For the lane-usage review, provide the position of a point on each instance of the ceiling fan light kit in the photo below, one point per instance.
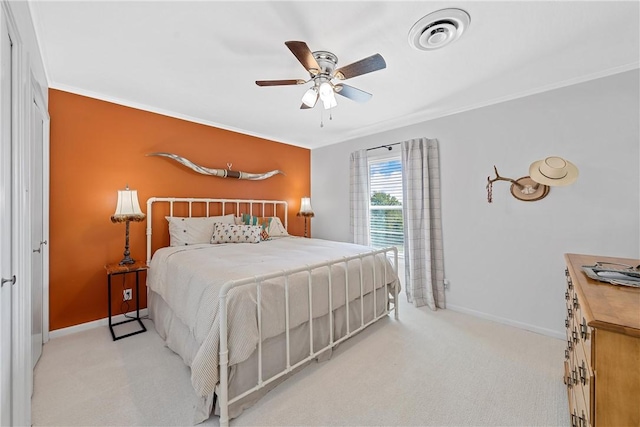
(321, 66)
(439, 29)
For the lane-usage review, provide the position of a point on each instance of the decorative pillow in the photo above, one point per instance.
(231, 233)
(195, 230)
(262, 221)
(238, 220)
(276, 228)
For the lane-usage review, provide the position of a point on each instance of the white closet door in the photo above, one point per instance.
(6, 272)
(37, 233)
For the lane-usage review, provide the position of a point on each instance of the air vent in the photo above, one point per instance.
(438, 29)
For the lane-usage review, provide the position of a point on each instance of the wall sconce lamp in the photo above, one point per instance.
(127, 209)
(543, 174)
(306, 211)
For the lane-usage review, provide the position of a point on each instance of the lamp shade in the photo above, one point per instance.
(128, 208)
(305, 206)
(310, 97)
(327, 95)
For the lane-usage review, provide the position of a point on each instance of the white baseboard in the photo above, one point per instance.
(143, 312)
(543, 331)
(95, 324)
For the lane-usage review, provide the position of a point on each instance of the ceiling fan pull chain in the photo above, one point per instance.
(321, 118)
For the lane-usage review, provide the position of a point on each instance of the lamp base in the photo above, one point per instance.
(127, 260)
(127, 255)
(305, 215)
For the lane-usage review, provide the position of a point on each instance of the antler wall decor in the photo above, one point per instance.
(222, 173)
(552, 171)
(525, 188)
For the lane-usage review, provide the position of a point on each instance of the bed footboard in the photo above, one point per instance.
(390, 304)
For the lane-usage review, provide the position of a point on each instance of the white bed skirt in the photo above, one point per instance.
(243, 376)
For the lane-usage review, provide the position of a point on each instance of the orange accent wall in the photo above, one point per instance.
(96, 148)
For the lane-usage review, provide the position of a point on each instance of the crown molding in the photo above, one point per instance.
(421, 117)
(385, 126)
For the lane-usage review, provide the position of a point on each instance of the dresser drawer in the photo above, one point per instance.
(580, 417)
(581, 328)
(584, 352)
(584, 386)
(583, 399)
(585, 370)
(569, 349)
(573, 408)
(569, 280)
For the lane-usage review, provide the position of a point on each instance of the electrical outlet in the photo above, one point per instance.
(126, 295)
(447, 284)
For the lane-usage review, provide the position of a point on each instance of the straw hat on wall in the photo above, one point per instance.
(553, 171)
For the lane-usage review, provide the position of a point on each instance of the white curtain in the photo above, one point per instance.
(359, 197)
(424, 263)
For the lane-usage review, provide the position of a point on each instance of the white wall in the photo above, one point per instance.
(505, 259)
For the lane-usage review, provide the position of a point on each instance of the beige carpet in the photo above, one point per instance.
(429, 368)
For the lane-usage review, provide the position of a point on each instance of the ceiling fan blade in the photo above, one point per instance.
(352, 93)
(304, 55)
(364, 66)
(280, 82)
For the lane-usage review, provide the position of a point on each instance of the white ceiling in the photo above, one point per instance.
(199, 60)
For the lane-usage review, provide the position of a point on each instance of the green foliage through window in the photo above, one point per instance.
(385, 215)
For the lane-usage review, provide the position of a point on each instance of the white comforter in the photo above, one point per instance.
(189, 279)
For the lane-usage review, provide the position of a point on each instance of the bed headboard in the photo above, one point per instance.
(199, 207)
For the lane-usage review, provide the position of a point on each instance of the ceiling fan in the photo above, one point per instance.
(321, 66)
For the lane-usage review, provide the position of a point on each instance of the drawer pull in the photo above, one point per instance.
(583, 373)
(570, 312)
(569, 282)
(568, 382)
(566, 322)
(566, 354)
(582, 420)
(574, 419)
(574, 336)
(569, 345)
(584, 331)
(574, 376)
(576, 305)
(567, 296)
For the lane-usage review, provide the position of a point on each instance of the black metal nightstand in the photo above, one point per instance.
(114, 269)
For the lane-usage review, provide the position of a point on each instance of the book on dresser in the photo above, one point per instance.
(602, 358)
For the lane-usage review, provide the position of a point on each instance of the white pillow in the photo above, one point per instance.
(193, 231)
(231, 233)
(276, 228)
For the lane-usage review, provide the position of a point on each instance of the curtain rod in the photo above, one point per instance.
(387, 146)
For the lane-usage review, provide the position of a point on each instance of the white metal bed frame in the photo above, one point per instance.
(222, 390)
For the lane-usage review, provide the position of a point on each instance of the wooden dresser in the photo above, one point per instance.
(602, 359)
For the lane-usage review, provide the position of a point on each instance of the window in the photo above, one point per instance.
(385, 215)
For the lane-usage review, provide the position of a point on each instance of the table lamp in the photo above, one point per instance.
(127, 209)
(306, 211)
